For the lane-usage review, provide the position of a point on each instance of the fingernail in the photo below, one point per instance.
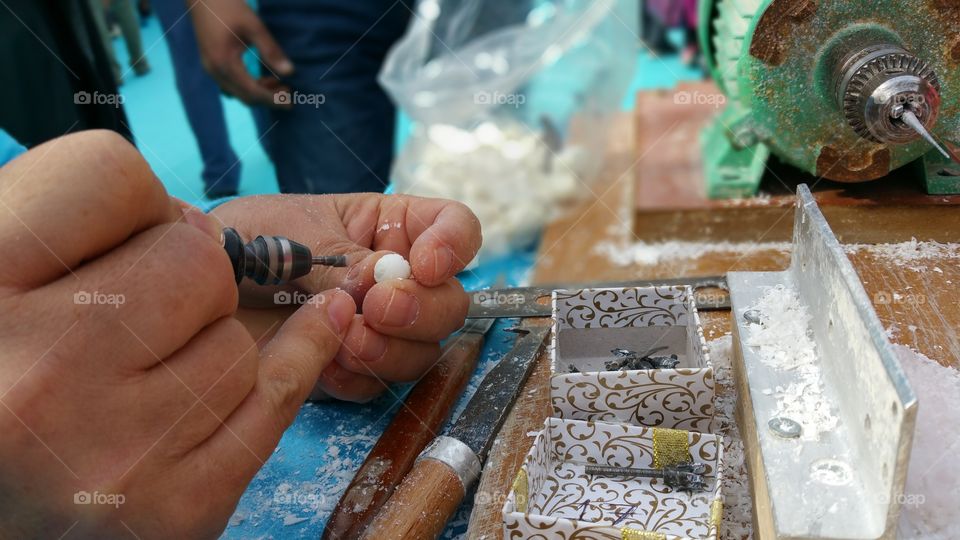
(340, 310)
(373, 345)
(401, 310)
(443, 261)
(285, 67)
(354, 273)
(202, 221)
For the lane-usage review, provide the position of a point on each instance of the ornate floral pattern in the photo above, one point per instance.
(621, 308)
(565, 503)
(679, 398)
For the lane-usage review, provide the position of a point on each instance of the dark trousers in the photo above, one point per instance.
(339, 136)
(200, 96)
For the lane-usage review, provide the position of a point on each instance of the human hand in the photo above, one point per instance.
(132, 402)
(396, 338)
(225, 28)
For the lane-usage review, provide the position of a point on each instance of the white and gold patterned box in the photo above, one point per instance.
(554, 498)
(589, 324)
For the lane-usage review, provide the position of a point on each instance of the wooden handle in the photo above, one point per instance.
(427, 407)
(420, 508)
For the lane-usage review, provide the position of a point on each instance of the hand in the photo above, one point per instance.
(132, 402)
(396, 338)
(224, 29)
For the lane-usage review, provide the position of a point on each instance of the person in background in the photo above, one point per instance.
(200, 96)
(324, 120)
(144, 8)
(653, 31)
(59, 78)
(667, 14)
(125, 15)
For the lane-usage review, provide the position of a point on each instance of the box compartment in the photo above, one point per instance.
(589, 323)
(553, 497)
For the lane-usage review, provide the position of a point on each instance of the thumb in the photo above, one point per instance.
(290, 365)
(270, 52)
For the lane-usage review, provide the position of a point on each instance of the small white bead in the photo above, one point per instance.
(392, 266)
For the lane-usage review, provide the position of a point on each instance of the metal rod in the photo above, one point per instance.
(605, 470)
(330, 260)
(911, 120)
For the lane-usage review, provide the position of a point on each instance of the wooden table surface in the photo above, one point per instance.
(925, 316)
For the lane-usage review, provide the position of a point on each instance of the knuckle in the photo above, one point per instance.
(288, 387)
(114, 160)
(238, 359)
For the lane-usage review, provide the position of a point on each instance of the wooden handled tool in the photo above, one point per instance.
(426, 409)
(446, 469)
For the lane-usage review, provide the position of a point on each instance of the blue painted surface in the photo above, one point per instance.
(294, 493)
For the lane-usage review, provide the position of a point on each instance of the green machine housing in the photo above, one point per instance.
(824, 84)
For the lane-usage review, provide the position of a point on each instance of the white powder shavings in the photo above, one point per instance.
(784, 343)
(737, 501)
(392, 266)
(931, 499)
(291, 519)
(911, 255)
(649, 254)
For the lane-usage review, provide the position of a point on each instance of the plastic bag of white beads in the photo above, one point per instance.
(510, 105)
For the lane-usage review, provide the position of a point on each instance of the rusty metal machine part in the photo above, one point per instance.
(876, 84)
(824, 85)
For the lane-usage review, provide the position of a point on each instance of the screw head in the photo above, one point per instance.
(787, 428)
(753, 316)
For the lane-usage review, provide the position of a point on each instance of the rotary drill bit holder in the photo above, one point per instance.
(848, 90)
(272, 260)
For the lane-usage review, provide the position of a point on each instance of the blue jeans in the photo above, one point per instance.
(339, 137)
(201, 98)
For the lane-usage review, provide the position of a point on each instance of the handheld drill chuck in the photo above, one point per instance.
(272, 260)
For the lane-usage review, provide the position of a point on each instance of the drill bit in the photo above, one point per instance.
(338, 261)
(682, 477)
(911, 120)
(272, 260)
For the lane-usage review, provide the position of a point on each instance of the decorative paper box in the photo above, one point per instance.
(553, 497)
(588, 324)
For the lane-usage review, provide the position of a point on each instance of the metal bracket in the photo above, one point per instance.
(734, 160)
(846, 481)
(942, 176)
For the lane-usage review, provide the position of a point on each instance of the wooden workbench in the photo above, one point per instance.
(621, 209)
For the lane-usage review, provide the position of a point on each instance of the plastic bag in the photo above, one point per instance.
(510, 103)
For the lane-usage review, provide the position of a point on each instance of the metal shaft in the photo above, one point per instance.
(605, 470)
(330, 260)
(911, 120)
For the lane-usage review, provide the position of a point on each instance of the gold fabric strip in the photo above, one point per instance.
(635, 534)
(716, 513)
(520, 490)
(670, 447)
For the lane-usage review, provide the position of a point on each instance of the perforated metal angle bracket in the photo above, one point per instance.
(846, 482)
